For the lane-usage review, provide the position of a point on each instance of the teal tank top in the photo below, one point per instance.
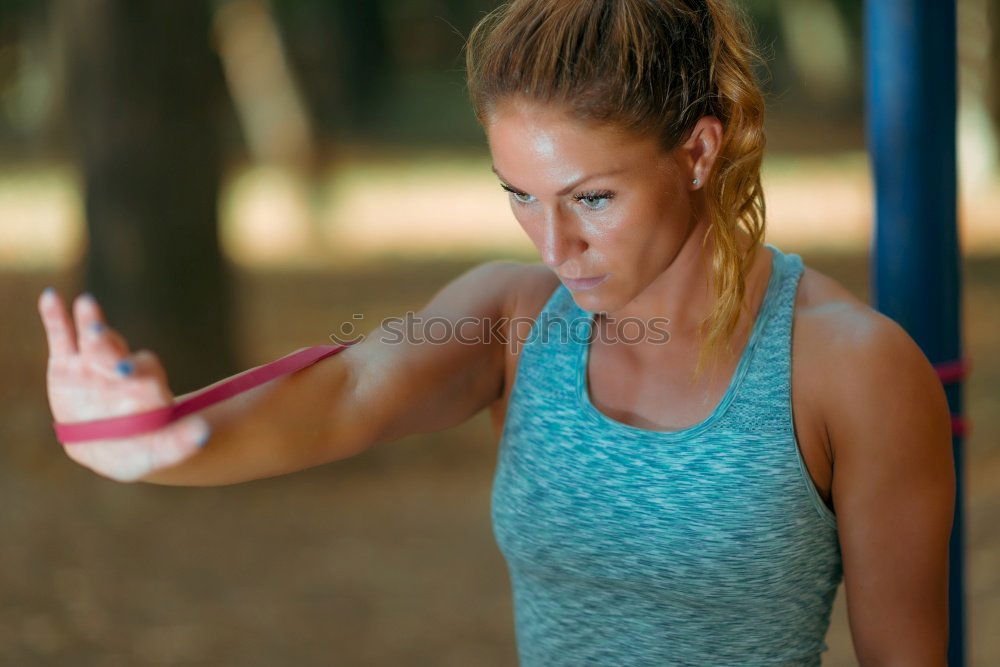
(626, 546)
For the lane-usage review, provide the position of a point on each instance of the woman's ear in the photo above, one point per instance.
(701, 148)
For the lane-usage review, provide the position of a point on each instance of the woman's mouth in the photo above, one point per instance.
(579, 284)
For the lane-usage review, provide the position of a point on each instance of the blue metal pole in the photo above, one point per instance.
(914, 261)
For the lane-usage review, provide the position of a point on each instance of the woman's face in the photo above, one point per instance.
(597, 203)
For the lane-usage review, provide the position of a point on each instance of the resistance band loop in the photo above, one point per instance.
(151, 420)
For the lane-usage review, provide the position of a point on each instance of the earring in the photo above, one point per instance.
(695, 181)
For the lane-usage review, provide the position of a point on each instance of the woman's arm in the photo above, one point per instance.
(397, 381)
(376, 390)
(272, 429)
(893, 488)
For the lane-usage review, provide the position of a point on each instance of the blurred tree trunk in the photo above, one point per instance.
(341, 50)
(144, 91)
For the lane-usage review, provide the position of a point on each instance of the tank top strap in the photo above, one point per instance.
(763, 399)
(548, 354)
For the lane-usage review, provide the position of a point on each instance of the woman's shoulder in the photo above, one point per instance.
(862, 364)
(846, 336)
(533, 284)
(834, 316)
(520, 283)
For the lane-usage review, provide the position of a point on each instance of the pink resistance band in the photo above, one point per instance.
(143, 422)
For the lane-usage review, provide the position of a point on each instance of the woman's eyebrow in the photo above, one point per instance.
(569, 187)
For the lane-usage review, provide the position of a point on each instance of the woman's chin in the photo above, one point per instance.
(595, 301)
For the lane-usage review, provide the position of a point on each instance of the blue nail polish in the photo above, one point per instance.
(203, 440)
(97, 327)
(49, 291)
(125, 367)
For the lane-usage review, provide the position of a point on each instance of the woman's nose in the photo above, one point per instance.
(558, 239)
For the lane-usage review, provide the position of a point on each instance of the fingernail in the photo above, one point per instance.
(97, 327)
(49, 291)
(125, 367)
(203, 439)
(88, 296)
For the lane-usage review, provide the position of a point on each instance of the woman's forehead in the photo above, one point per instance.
(563, 146)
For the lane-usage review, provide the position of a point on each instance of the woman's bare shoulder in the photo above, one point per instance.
(856, 357)
(832, 325)
(533, 285)
(827, 313)
(818, 290)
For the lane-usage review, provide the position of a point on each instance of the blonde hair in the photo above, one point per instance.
(653, 67)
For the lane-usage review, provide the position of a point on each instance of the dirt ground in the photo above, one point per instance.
(384, 559)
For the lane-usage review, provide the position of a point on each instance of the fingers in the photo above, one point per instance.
(94, 337)
(58, 327)
(145, 365)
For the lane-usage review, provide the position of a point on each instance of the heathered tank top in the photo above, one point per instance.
(626, 546)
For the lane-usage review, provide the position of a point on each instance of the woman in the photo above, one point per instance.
(652, 509)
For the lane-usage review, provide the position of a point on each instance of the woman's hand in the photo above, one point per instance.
(92, 375)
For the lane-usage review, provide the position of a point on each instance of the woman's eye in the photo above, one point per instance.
(519, 197)
(595, 201)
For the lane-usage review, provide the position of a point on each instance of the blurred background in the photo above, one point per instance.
(238, 178)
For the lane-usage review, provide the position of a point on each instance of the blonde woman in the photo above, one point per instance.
(699, 437)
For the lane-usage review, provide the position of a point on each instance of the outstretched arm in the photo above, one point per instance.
(376, 390)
